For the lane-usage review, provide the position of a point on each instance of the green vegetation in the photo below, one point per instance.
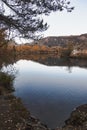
(6, 82)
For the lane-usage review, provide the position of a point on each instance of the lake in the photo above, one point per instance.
(51, 90)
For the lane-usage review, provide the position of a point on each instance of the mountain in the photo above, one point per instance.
(78, 41)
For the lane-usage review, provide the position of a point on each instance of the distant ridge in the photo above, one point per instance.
(77, 40)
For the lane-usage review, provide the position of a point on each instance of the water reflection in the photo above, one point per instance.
(50, 92)
(54, 60)
(49, 87)
(49, 60)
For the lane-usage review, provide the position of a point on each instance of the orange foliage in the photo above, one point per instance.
(34, 49)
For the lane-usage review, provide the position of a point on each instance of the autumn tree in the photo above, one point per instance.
(22, 17)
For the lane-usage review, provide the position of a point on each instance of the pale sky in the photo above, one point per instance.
(63, 23)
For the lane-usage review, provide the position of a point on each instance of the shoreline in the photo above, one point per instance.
(14, 116)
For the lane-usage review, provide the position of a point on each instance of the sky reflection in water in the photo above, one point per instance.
(50, 93)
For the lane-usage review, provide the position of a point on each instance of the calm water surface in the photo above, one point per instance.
(50, 92)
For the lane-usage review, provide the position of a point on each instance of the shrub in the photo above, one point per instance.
(6, 81)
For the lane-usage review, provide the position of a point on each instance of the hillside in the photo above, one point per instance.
(80, 41)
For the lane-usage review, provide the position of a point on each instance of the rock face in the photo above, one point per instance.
(35, 124)
(78, 41)
(78, 117)
(77, 120)
(14, 116)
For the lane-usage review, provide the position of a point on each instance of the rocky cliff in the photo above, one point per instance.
(80, 41)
